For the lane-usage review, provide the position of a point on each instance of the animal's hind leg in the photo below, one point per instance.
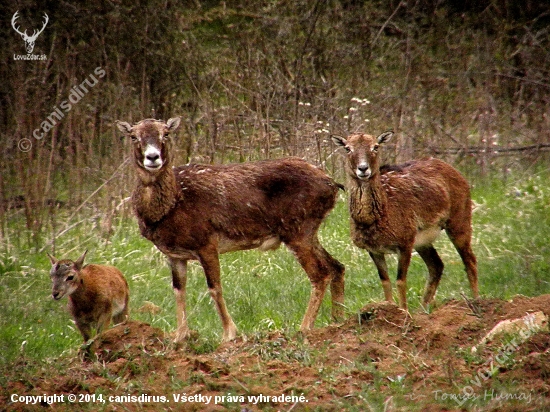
(337, 286)
(435, 269)
(313, 259)
(316, 298)
(104, 321)
(461, 236)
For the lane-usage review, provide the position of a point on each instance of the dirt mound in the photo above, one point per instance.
(382, 356)
(128, 340)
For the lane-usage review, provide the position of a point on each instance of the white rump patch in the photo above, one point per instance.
(118, 306)
(426, 237)
(271, 243)
(230, 245)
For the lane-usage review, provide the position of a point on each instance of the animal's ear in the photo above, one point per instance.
(52, 259)
(173, 123)
(339, 140)
(385, 137)
(80, 261)
(124, 127)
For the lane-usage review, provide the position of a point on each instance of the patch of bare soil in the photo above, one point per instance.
(382, 357)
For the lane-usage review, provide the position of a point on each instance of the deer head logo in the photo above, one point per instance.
(29, 40)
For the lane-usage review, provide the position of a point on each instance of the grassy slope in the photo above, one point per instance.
(267, 291)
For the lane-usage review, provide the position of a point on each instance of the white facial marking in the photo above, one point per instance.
(151, 158)
(363, 170)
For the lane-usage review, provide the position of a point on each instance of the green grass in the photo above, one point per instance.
(269, 291)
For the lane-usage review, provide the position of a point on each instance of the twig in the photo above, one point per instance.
(67, 229)
(386, 23)
(473, 307)
(68, 226)
(242, 386)
(100, 187)
(346, 359)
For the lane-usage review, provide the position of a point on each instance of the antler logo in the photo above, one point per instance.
(29, 40)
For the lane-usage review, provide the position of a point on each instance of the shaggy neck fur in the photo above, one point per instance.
(367, 201)
(81, 297)
(155, 194)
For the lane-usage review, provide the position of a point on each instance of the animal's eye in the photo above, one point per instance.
(166, 135)
(69, 278)
(134, 138)
(348, 149)
(375, 148)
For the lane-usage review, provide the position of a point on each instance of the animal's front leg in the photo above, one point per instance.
(85, 329)
(210, 262)
(179, 280)
(380, 261)
(104, 320)
(403, 263)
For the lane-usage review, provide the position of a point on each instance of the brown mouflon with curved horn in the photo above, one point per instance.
(398, 209)
(196, 212)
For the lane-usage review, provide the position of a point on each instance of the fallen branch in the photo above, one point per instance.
(496, 150)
